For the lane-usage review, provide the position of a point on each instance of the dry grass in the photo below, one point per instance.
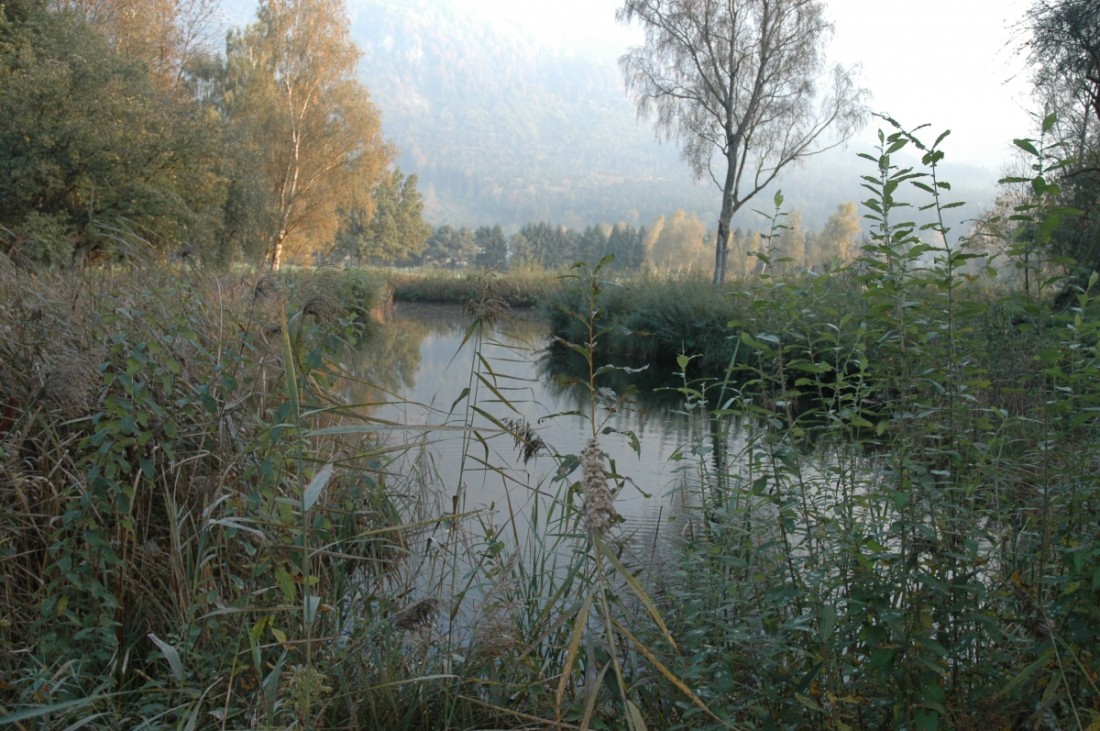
(150, 465)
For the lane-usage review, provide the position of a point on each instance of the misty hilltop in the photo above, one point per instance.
(504, 128)
(500, 129)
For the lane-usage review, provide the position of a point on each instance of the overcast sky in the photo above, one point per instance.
(951, 63)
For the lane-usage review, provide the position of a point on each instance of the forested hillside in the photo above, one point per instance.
(500, 129)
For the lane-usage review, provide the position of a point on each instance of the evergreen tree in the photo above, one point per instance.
(451, 247)
(394, 232)
(493, 247)
(627, 244)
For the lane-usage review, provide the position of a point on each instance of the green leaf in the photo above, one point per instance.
(316, 487)
(171, 655)
(1026, 673)
(828, 621)
(285, 583)
(461, 396)
(1026, 146)
(310, 604)
(634, 716)
(639, 592)
(579, 624)
(37, 711)
(271, 680)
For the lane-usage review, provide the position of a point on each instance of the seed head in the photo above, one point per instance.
(416, 616)
(599, 502)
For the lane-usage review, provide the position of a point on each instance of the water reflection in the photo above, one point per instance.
(427, 376)
(448, 419)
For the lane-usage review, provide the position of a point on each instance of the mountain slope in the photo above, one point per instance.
(502, 130)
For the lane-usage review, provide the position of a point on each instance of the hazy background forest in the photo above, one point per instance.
(473, 143)
(507, 128)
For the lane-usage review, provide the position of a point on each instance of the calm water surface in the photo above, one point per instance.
(422, 369)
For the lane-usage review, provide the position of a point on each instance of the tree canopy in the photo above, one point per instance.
(92, 152)
(124, 128)
(395, 232)
(315, 133)
(736, 81)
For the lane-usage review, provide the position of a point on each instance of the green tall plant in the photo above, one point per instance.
(609, 582)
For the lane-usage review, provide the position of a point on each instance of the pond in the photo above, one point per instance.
(447, 391)
(447, 399)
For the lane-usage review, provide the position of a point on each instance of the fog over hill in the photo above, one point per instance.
(502, 129)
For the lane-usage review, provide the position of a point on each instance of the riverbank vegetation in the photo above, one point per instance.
(913, 562)
(888, 515)
(890, 518)
(520, 288)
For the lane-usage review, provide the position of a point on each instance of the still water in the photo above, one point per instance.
(446, 391)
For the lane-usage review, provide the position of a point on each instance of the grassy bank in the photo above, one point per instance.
(518, 288)
(180, 545)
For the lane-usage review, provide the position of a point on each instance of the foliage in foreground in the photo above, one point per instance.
(890, 519)
(179, 545)
(897, 506)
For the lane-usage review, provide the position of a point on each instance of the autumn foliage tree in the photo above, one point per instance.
(836, 243)
(736, 82)
(165, 35)
(677, 243)
(315, 135)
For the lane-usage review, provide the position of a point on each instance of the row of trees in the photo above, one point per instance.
(124, 125)
(675, 243)
(743, 87)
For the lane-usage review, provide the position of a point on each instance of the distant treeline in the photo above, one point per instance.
(680, 242)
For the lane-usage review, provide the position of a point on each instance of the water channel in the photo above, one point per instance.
(445, 397)
(446, 391)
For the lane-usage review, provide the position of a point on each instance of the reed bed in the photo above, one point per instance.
(890, 520)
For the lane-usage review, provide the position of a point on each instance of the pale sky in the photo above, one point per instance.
(950, 63)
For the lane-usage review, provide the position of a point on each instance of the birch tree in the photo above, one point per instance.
(737, 82)
(316, 134)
